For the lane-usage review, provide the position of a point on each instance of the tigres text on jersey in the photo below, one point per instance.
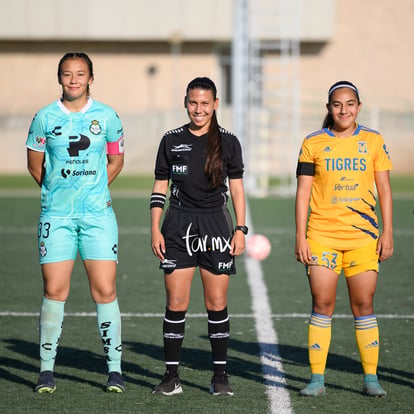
(343, 196)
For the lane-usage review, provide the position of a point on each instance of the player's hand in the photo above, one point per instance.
(238, 243)
(385, 247)
(158, 244)
(303, 252)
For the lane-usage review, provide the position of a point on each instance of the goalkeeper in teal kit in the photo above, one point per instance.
(75, 149)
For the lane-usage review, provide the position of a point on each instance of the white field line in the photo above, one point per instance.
(139, 194)
(276, 387)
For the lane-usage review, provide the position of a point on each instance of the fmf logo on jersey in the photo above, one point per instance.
(179, 169)
(195, 243)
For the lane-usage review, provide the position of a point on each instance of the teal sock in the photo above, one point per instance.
(109, 324)
(50, 329)
(318, 378)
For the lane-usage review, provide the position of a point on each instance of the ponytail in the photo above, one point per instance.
(214, 162)
(328, 122)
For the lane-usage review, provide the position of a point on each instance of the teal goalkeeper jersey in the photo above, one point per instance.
(75, 145)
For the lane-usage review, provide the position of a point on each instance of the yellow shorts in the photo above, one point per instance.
(351, 262)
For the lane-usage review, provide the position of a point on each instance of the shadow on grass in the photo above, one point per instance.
(248, 368)
(67, 357)
(297, 356)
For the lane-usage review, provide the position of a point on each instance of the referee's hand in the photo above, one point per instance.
(158, 245)
(238, 243)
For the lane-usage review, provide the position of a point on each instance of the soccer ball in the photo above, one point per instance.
(258, 247)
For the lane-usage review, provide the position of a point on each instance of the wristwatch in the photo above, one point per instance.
(243, 229)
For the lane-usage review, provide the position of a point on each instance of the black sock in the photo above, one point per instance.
(173, 333)
(219, 332)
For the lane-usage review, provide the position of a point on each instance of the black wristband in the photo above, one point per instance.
(243, 229)
(157, 200)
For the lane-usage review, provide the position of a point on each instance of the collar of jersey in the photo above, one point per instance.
(356, 132)
(83, 110)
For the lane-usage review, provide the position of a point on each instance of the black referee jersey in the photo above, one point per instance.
(181, 158)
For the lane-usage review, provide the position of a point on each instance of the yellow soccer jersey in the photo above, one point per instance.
(343, 199)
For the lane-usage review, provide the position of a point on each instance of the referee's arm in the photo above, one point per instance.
(157, 240)
(239, 205)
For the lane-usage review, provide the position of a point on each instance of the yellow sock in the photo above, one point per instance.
(319, 339)
(367, 338)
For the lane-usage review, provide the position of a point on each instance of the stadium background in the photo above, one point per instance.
(144, 54)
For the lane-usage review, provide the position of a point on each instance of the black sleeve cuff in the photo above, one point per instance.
(305, 168)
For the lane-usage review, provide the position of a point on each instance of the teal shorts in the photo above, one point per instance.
(95, 238)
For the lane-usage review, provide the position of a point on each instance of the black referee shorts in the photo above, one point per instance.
(198, 238)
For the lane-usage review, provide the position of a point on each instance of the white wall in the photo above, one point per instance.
(154, 20)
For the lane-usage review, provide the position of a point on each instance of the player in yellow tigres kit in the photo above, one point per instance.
(337, 169)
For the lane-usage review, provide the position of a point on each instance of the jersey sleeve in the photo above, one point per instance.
(306, 164)
(115, 135)
(382, 159)
(305, 153)
(235, 165)
(36, 138)
(162, 166)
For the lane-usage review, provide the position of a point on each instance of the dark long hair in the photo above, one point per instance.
(214, 163)
(75, 55)
(328, 121)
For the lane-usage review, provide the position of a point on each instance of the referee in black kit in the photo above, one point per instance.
(203, 162)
